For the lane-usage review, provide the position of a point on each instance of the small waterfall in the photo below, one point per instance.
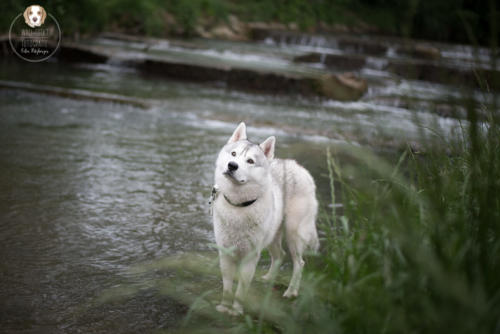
(269, 41)
(306, 40)
(322, 42)
(376, 63)
(391, 52)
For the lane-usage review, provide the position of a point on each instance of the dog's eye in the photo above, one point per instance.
(250, 161)
(38, 13)
(233, 153)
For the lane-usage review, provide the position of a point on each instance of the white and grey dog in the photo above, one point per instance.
(253, 194)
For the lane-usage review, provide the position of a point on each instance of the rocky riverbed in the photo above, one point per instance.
(353, 75)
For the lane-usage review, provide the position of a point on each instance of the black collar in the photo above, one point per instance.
(244, 204)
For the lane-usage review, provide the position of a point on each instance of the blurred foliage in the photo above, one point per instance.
(147, 17)
(445, 20)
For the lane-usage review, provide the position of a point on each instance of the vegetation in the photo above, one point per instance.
(417, 252)
(449, 20)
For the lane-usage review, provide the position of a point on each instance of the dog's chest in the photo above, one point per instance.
(242, 228)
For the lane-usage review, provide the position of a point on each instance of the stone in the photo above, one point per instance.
(223, 32)
(293, 26)
(74, 52)
(339, 62)
(200, 31)
(427, 52)
(236, 25)
(343, 87)
(364, 46)
(416, 69)
(421, 51)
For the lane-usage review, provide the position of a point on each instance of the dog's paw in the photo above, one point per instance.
(223, 309)
(289, 293)
(228, 310)
(267, 277)
(237, 308)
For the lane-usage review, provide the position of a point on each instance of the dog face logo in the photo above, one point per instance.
(34, 16)
(38, 42)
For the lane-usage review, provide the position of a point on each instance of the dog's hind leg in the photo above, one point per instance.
(228, 269)
(276, 256)
(300, 229)
(296, 246)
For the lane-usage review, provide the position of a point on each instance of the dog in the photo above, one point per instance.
(253, 193)
(34, 16)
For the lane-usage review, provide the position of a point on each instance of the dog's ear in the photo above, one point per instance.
(25, 14)
(44, 15)
(239, 134)
(267, 147)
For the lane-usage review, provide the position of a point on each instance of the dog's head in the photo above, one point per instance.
(241, 163)
(34, 16)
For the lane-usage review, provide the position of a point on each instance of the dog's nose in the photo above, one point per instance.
(34, 19)
(232, 166)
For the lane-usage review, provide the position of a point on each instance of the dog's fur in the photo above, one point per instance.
(281, 189)
(34, 16)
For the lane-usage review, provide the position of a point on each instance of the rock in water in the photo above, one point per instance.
(343, 87)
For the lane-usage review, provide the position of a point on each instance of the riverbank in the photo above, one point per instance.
(439, 20)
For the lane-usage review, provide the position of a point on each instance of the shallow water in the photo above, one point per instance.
(377, 119)
(89, 189)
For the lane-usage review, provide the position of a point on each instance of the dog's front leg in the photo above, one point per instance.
(228, 269)
(276, 256)
(246, 273)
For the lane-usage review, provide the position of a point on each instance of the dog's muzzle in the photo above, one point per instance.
(232, 166)
(230, 175)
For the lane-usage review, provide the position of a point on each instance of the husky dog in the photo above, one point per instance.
(253, 194)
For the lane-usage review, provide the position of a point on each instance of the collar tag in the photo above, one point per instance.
(213, 197)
